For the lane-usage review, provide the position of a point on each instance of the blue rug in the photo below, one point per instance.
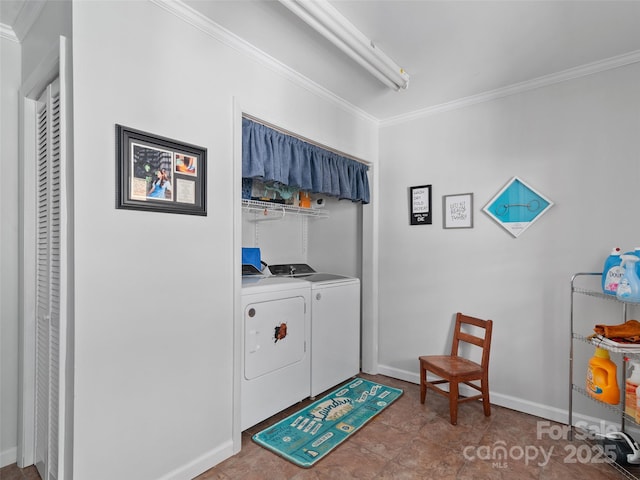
(308, 435)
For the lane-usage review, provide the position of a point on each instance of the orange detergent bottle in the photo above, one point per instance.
(602, 381)
(305, 200)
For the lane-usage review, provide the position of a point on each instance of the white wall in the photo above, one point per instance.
(335, 243)
(576, 142)
(10, 81)
(332, 244)
(154, 311)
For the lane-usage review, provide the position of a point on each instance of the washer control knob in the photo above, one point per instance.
(318, 296)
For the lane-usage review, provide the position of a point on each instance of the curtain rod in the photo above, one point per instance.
(304, 139)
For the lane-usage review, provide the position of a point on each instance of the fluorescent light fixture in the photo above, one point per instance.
(330, 23)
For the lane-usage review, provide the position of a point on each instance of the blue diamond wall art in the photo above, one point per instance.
(517, 206)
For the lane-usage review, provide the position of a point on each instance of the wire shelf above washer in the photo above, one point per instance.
(277, 211)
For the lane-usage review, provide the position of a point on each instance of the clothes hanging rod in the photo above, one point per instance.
(304, 139)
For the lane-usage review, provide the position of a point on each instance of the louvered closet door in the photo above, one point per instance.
(48, 282)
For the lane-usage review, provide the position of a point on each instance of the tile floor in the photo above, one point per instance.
(11, 472)
(410, 441)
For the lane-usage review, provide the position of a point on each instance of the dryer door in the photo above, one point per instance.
(274, 335)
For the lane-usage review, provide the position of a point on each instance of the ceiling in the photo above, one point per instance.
(452, 49)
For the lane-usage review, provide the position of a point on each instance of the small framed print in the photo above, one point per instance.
(517, 206)
(457, 211)
(420, 205)
(159, 174)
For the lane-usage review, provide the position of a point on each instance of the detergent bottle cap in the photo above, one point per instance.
(616, 251)
(601, 353)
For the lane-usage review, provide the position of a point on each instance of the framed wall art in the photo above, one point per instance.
(159, 174)
(457, 211)
(517, 206)
(420, 205)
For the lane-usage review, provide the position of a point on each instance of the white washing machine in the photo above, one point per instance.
(335, 324)
(276, 334)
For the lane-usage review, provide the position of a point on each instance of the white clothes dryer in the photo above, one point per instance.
(275, 346)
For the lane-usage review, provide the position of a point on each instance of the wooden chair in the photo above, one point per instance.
(454, 369)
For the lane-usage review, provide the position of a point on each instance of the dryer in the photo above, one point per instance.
(275, 346)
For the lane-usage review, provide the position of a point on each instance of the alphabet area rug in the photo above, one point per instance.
(311, 433)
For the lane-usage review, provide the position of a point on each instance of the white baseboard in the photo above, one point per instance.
(525, 406)
(399, 374)
(9, 456)
(201, 464)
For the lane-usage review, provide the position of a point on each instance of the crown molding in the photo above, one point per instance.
(544, 81)
(7, 32)
(213, 29)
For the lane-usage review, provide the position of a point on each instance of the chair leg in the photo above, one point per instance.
(453, 402)
(423, 383)
(485, 398)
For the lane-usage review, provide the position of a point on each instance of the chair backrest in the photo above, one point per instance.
(460, 336)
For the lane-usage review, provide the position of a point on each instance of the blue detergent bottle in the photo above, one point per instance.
(629, 286)
(636, 252)
(612, 272)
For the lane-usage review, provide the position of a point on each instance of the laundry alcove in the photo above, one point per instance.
(278, 171)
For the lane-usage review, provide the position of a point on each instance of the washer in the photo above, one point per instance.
(276, 362)
(335, 324)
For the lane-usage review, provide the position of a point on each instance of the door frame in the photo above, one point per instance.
(55, 64)
(369, 281)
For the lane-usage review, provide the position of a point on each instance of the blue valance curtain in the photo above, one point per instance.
(275, 157)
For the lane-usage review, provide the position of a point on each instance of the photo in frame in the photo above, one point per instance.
(457, 211)
(420, 205)
(159, 174)
(517, 206)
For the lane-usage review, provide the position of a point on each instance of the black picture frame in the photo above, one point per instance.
(420, 205)
(158, 174)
